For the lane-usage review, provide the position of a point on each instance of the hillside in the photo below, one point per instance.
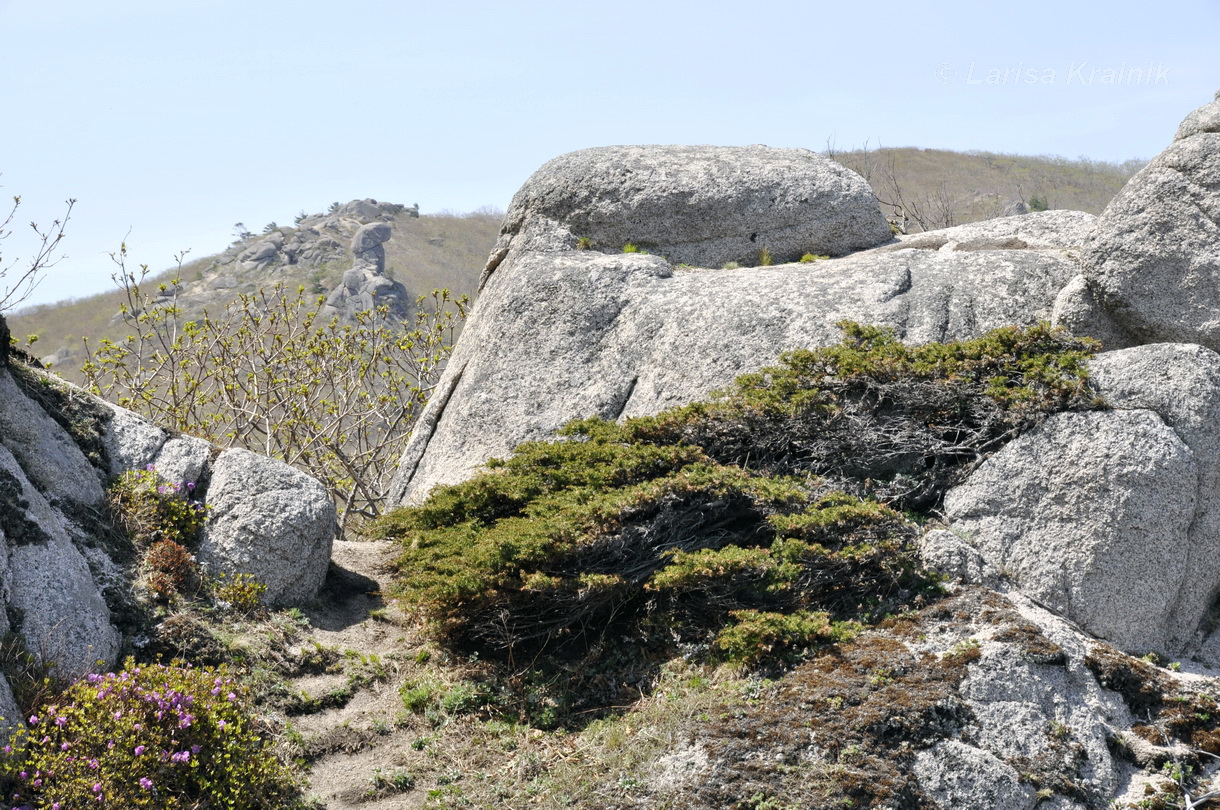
(941, 188)
(423, 253)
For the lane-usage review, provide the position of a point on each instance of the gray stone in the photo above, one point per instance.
(561, 336)
(1041, 230)
(271, 521)
(1154, 260)
(64, 619)
(370, 236)
(260, 252)
(1181, 383)
(131, 441)
(183, 460)
(1076, 309)
(1084, 508)
(956, 775)
(47, 454)
(698, 205)
(10, 712)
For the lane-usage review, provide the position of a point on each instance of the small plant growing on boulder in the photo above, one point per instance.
(764, 258)
(151, 508)
(809, 258)
(585, 243)
(150, 736)
(631, 247)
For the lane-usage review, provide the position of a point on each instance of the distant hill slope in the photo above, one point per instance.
(423, 253)
(939, 188)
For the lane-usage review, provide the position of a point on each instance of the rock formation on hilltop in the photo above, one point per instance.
(1091, 529)
(697, 205)
(365, 286)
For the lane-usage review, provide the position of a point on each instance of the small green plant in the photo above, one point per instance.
(417, 695)
(809, 258)
(385, 784)
(151, 736)
(151, 508)
(730, 266)
(240, 592)
(757, 636)
(585, 243)
(764, 258)
(631, 247)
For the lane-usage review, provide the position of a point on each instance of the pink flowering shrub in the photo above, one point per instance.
(149, 736)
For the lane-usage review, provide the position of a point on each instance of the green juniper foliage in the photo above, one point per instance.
(748, 528)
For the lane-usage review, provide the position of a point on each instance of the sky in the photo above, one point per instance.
(169, 121)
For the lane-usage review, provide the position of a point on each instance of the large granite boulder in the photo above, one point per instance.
(1112, 518)
(1153, 263)
(1089, 513)
(271, 521)
(45, 582)
(558, 336)
(697, 205)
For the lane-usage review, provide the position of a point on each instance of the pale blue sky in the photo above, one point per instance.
(177, 118)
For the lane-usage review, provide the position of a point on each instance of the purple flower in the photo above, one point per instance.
(97, 787)
(145, 783)
(139, 750)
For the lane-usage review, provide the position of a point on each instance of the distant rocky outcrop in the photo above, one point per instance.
(365, 286)
(60, 579)
(357, 229)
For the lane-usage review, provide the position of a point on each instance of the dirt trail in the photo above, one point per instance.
(366, 736)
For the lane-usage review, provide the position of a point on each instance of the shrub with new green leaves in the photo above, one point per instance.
(149, 736)
(272, 374)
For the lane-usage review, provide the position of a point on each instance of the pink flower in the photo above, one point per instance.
(145, 783)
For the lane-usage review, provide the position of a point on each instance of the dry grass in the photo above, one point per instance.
(971, 186)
